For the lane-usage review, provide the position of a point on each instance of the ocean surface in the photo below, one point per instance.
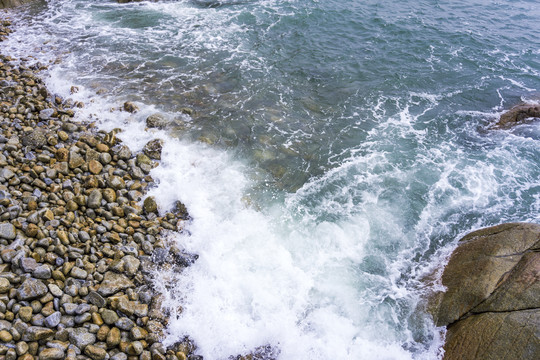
(331, 153)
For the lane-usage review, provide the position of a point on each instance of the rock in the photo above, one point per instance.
(517, 115)
(53, 320)
(81, 337)
(51, 354)
(504, 336)
(7, 4)
(479, 263)
(492, 305)
(130, 107)
(95, 167)
(157, 121)
(5, 285)
(31, 289)
(75, 159)
(94, 199)
(96, 299)
(7, 231)
(109, 317)
(113, 282)
(150, 205)
(153, 149)
(131, 264)
(25, 313)
(36, 138)
(5, 336)
(37, 333)
(42, 272)
(95, 352)
(113, 337)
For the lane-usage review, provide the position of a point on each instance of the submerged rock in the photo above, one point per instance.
(492, 304)
(517, 115)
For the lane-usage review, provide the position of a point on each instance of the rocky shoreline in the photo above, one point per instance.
(79, 239)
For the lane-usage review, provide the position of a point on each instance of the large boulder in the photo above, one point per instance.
(517, 115)
(6, 4)
(492, 304)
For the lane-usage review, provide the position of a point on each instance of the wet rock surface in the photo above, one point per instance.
(492, 304)
(77, 232)
(518, 114)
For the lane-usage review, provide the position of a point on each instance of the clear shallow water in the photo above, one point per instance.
(337, 151)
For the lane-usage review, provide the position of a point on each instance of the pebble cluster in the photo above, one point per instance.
(79, 239)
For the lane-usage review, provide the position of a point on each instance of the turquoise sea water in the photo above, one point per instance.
(335, 153)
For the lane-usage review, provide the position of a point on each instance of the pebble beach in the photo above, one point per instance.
(79, 239)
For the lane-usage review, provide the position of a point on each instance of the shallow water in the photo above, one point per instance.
(335, 152)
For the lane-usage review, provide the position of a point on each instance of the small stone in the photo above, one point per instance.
(53, 320)
(51, 354)
(31, 289)
(55, 290)
(42, 272)
(5, 285)
(36, 138)
(130, 107)
(75, 159)
(150, 205)
(21, 348)
(7, 231)
(95, 352)
(95, 167)
(124, 323)
(94, 199)
(96, 299)
(5, 336)
(37, 333)
(78, 273)
(113, 337)
(81, 337)
(109, 316)
(112, 283)
(131, 264)
(157, 121)
(28, 265)
(153, 149)
(25, 313)
(135, 348)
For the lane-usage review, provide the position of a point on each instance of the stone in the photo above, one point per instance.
(78, 273)
(51, 354)
(28, 265)
(75, 159)
(5, 336)
(95, 352)
(42, 272)
(491, 307)
(130, 107)
(95, 167)
(31, 289)
(95, 298)
(81, 337)
(135, 348)
(25, 313)
(124, 323)
(53, 320)
(113, 337)
(5, 285)
(518, 114)
(7, 231)
(501, 336)
(150, 205)
(36, 138)
(94, 199)
(37, 333)
(478, 264)
(109, 317)
(116, 182)
(131, 264)
(153, 149)
(157, 121)
(113, 282)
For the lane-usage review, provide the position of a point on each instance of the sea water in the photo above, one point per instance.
(331, 153)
